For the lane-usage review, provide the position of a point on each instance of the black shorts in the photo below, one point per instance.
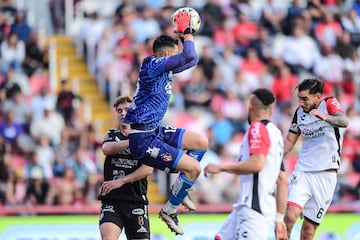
(133, 217)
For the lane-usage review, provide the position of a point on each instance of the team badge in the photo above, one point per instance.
(166, 157)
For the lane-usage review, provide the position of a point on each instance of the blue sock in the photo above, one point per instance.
(197, 154)
(180, 189)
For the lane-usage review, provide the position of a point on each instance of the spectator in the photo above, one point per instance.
(209, 67)
(300, 51)
(272, 16)
(16, 188)
(66, 190)
(253, 69)
(343, 45)
(4, 27)
(65, 103)
(20, 27)
(12, 53)
(45, 156)
(197, 92)
(285, 79)
(330, 69)
(39, 101)
(327, 31)
(34, 55)
(50, 125)
(9, 86)
(22, 114)
(37, 188)
(212, 17)
(244, 32)
(10, 129)
(294, 11)
(263, 45)
(351, 24)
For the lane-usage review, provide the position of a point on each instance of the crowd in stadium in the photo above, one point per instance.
(241, 48)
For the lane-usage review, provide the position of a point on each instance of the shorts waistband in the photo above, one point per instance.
(331, 170)
(141, 127)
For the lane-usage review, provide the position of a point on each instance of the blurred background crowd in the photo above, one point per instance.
(50, 154)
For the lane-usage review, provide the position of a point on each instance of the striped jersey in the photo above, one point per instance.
(257, 189)
(154, 86)
(321, 141)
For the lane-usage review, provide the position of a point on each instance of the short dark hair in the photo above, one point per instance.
(164, 41)
(265, 96)
(121, 100)
(312, 84)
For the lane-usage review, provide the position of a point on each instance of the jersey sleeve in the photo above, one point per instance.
(110, 136)
(294, 128)
(333, 106)
(182, 61)
(258, 137)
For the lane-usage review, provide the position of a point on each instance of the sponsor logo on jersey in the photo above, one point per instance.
(125, 163)
(108, 208)
(138, 211)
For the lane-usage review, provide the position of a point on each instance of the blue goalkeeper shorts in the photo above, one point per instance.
(159, 148)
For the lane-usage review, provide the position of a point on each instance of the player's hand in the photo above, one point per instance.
(319, 114)
(108, 186)
(280, 231)
(183, 19)
(211, 168)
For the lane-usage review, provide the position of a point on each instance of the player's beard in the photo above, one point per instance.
(310, 108)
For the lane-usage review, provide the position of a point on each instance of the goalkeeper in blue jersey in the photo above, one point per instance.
(158, 146)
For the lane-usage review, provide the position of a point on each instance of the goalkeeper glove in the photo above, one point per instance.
(183, 20)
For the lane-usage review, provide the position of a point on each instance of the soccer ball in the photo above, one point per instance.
(195, 18)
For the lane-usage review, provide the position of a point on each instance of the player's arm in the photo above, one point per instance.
(292, 136)
(254, 164)
(138, 174)
(111, 148)
(289, 142)
(336, 116)
(281, 202)
(184, 60)
(259, 144)
(112, 143)
(337, 119)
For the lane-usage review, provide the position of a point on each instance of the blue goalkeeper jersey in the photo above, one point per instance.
(154, 86)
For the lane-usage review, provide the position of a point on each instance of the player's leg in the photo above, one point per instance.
(292, 214)
(228, 229)
(194, 141)
(109, 231)
(308, 229)
(110, 222)
(323, 187)
(299, 194)
(137, 225)
(248, 225)
(190, 170)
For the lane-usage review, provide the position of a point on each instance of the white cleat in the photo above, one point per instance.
(171, 221)
(189, 204)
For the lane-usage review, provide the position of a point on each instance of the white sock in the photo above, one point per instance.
(169, 208)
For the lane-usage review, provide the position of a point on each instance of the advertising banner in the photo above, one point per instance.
(196, 227)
